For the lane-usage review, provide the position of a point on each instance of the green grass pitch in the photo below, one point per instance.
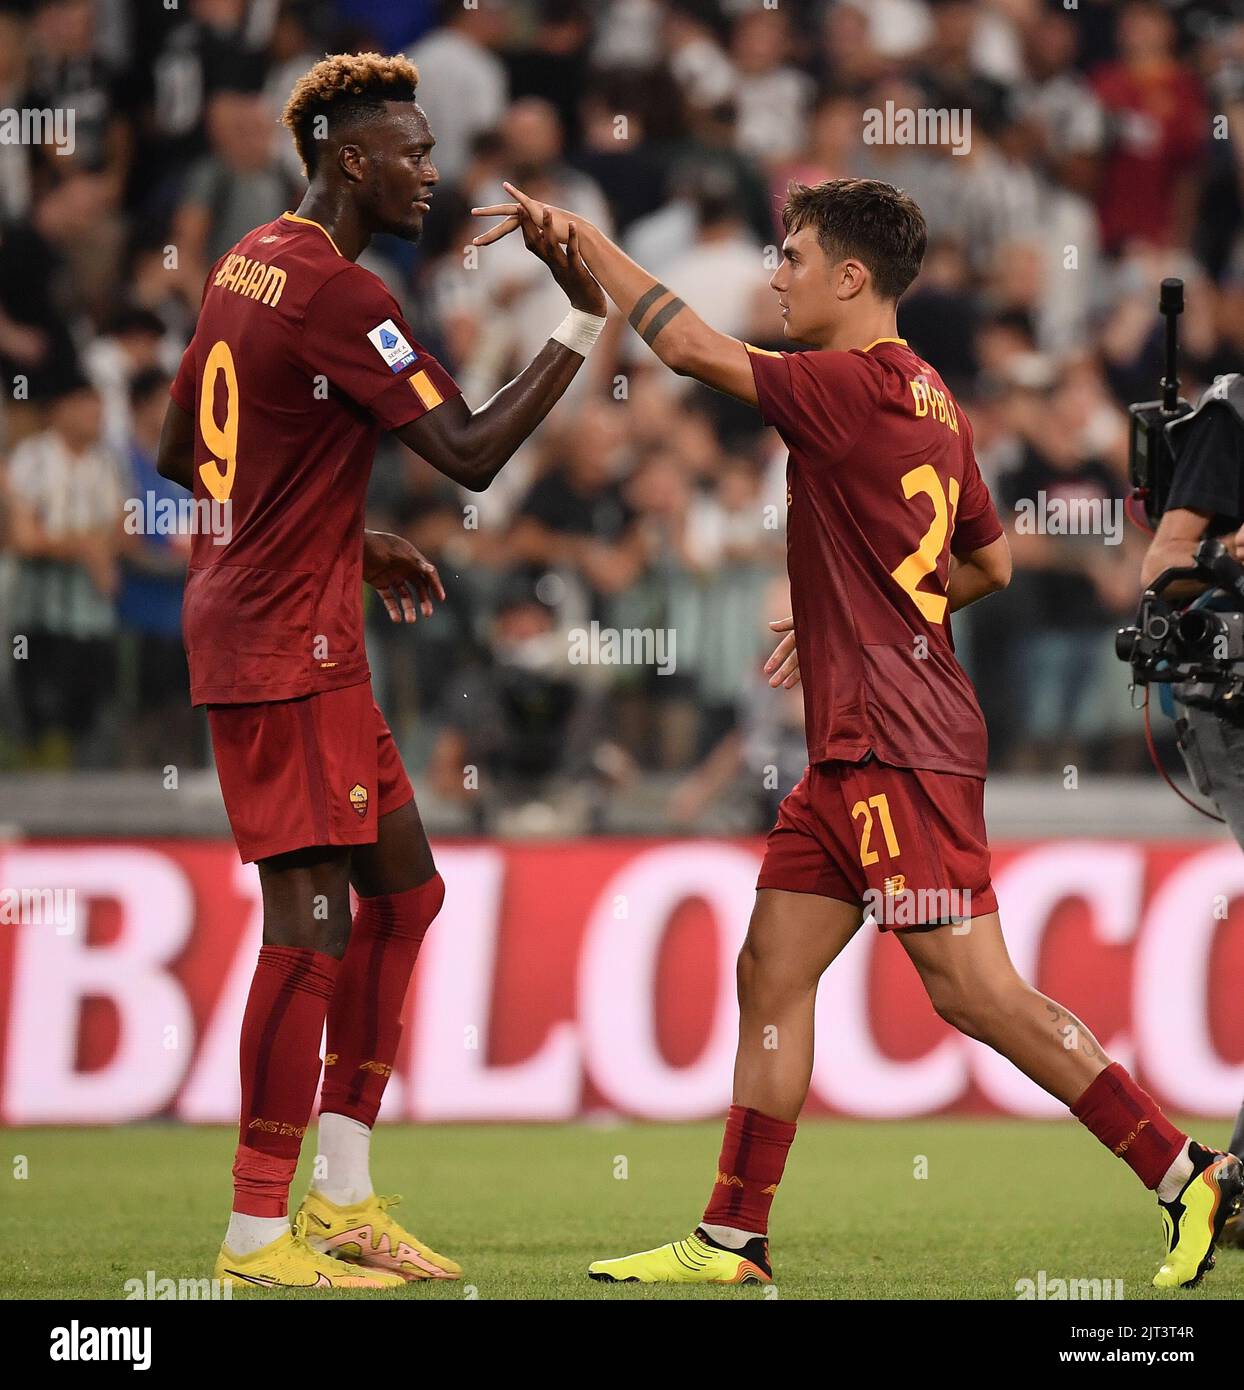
(524, 1208)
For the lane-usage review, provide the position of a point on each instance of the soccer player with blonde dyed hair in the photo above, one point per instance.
(300, 359)
(890, 529)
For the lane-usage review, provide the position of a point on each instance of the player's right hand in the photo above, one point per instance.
(782, 667)
(541, 214)
(546, 229)
(566, 266)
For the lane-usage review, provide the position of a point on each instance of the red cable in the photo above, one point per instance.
(1129, 511)
(1153, 756)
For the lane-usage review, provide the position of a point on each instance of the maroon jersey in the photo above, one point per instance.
(882, 486)
(299, 359)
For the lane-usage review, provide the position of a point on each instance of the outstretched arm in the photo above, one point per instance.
(677, 334)
(472, 446)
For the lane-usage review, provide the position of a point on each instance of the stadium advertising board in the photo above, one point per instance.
(569, 979)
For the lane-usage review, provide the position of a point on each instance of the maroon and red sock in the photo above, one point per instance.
(1128, 1121)
(753, 1155)
(280, 1056)
(364, 1016)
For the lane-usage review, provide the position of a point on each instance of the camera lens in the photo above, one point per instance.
(1194, 629)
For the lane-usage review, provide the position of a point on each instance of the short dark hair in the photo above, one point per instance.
(341, 88)
(135, 319)
(875, 222)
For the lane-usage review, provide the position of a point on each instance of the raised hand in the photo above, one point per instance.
(511, 213)
(545, 230)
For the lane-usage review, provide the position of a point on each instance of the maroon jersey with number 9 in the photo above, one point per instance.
(299, 359)
(882, 487)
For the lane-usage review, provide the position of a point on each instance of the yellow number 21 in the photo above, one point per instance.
(923, 560)
(868, 855)
(221, 441)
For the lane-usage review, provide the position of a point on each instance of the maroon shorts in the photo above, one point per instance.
(316, 771)
(907, 845)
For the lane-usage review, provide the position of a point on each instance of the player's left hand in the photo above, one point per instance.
(399, 573)
(782, 667)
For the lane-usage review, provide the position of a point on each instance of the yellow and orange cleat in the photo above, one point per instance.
(367, 1237)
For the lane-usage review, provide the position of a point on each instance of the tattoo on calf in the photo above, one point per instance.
(1073, 1033)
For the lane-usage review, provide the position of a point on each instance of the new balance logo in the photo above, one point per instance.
(729, 1180)
(380, 1068)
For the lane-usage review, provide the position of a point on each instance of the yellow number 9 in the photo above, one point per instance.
(222, 443)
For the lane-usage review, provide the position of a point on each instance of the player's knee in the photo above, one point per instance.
(763, 976)
(407, 914)
(335, 938)
(329, 937)
(433, 899)
(745, 970)
(977, 1015)
(309, 921)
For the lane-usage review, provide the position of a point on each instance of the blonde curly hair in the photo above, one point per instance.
(344, 82)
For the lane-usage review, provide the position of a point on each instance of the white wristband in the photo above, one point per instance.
(578, 331)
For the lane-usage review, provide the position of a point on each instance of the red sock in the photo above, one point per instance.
(364, 1017)
(1127, 1120)
(753, 1155)
(280, 1053)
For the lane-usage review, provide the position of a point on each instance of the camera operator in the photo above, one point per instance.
(1206, 499)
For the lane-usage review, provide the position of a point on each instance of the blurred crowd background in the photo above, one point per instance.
(1106, 151)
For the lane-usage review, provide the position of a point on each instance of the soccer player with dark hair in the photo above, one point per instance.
(890, 529)
(299, 359)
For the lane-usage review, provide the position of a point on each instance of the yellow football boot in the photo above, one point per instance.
(290, 1263)
(366, 1236)
(696, 1260)
(1194, 1220)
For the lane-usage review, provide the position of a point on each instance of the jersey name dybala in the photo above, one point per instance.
(299, 359)
(882, 487)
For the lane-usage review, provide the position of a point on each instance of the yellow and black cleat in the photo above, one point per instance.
(696, 1260)
(290, 1263)
(1194, 1221)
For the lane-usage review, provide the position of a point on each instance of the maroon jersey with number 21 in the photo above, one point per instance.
(299, 359)
(882, 487)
